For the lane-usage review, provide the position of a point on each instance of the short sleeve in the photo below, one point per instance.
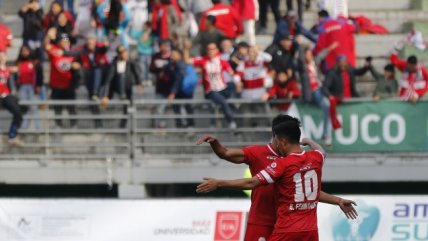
(322, 156)
(247, 154)
(271, 173)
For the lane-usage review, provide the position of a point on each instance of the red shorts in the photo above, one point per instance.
(295, 236)
(256, 232)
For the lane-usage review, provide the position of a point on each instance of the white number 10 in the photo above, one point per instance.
(310, 179)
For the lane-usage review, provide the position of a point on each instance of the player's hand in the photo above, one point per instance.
(206, 138)
(348, 209)
(209, 185)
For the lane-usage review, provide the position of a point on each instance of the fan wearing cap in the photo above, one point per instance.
(120, 78)
(340, 84)
(63, 73)
(290, 26)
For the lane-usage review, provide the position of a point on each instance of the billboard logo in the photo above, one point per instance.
(228, 226)
(361, 229)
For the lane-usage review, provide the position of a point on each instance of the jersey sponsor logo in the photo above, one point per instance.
(63, 65)
(306, 167)
(363, 228)
(228, 226)
(271, 157)
(273, 165)
(303, 206)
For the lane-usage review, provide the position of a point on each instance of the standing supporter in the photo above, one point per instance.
(32, 34)
(120, 78)
(283, 55)
(340, 84)
(29, 81)
(252, 74)
(115, 17)
(9, 102)
(139, 13)
(249, 12)
(289, 26)
(227, 50)
(63, 75)
(85, 21)
(184, 79)
(239, 54)
(51, 18)
(274, 6)
(227, 19)
(63, 27)
(312, 84)
(414, 78)
(94, 61)
(144, 40)
(215, 87)
(5, 38)
(210, 35)
(163, 83)
(284, 88)
(331, 31)
(350, 29)
(387, 84)
(165, 20)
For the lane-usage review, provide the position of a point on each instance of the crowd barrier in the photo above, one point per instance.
(127, 131)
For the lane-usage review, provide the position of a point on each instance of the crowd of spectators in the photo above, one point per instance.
(89, 41)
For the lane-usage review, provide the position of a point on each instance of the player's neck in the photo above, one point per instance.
(294, 149)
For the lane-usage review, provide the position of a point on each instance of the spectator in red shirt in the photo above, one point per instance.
(63, 75)
(5, 38)
(30, 81)
(227, 19)
(340, 84)
(285, 88)
(8, 101)
(165, 19)
(414, 78)
(331, 31)
(213, 70)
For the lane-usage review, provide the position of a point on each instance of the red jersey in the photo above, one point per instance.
(297, 179)
(212, 72)
(227, 20)
(5, 37)
(263, 205)
(247, 9)
(26, 73)
(411, 83)
(61, 73)
(94, 58)
(331, 31)
(4, 82)
(291, 88)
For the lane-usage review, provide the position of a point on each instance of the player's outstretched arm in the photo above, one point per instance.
(211, 184)
(312, 144)
(236, 156)
(347, 206)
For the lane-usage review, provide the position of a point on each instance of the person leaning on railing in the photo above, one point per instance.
(387, 85)
(9, 101)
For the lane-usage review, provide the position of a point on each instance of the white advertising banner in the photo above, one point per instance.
(381, 218)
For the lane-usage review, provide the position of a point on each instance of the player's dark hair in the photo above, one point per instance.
(412, 60)
(323, 14)
(289, 130)
(216, 1)
(281, 118)
(242, 44)
(212, 19)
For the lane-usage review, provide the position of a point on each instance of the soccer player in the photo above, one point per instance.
(262, 215)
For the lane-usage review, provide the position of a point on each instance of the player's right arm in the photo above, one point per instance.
(211, 184)
(233, 155)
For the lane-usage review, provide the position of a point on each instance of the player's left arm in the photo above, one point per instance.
(313, 145)
(346, 205)
(211, 184)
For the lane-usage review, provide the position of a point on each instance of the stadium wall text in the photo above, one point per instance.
(381, 218)
(386, 126)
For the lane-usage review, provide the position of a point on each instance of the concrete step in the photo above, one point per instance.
(421, 26)
(358, 5)
(420, 4)
(410, 50)
(14, 22)
(376, 45)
